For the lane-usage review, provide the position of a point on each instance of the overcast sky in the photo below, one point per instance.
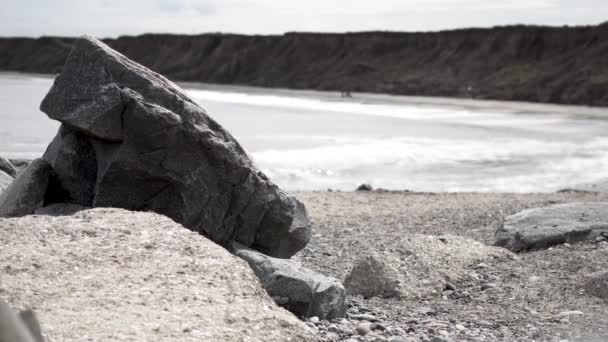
(108, 18)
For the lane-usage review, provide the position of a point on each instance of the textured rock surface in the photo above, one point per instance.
(5, 181)
(308, 293)
(119, 275)
(373, 275)
(7, 167)
(26, 193)
(597, 285)
(131, 139)
(544, 227)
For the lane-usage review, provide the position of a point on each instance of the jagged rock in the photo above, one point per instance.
(26, 193)
(74, 165)
(128, 276)
(5, 181)
(7, 167)
(309, 293)
(12, 327)
(544, 227)
(374, 276)
(597, 285)
(132, 139)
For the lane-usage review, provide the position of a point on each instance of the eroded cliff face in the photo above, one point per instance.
(542, 64)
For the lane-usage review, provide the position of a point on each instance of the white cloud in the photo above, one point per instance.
(115, 17)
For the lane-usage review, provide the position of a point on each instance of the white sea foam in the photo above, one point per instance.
(440, 164)
(306, 143)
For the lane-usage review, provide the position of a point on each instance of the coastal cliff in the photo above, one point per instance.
(565, 65)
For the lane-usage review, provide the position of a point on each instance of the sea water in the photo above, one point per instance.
(308, 142)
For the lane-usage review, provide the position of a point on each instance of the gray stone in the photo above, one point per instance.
(5, 181)
(438, 339)
(597, 285)
(72, 157)
(373, 276)
(26, 193)
(365, 187)
(7, 167)
(310, 293)
(132, 139)
(544, 227)
(135, 276)
(363, 328)
(397, 339)
(12, 328)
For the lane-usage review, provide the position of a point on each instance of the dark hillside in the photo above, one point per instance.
(566, 65)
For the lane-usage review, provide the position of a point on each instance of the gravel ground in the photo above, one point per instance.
(535, 296)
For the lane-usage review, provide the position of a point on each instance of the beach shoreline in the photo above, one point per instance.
(575, 111)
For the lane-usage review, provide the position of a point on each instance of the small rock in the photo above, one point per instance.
(397, 339)
(597, 285)
(488, 286)
(438, 339)
(365, 187)
(570, 313)
(26, 193)
(460, 327)
(450, 287)
(309, 293)
(485, 324)
(373, 275)
(363, 328)
(332, 337)
(314, 319)
(347, 331)
(364, 317)
(378, 326)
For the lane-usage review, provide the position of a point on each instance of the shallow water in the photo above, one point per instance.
(308, 143)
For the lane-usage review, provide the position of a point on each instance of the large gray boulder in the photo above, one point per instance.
(305, 292)
(26, 193)
(7, 167)
(544, 227)
(132, 139)
(132, 276)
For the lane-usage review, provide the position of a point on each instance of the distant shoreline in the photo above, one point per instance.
(574, 111)
(541, 64)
